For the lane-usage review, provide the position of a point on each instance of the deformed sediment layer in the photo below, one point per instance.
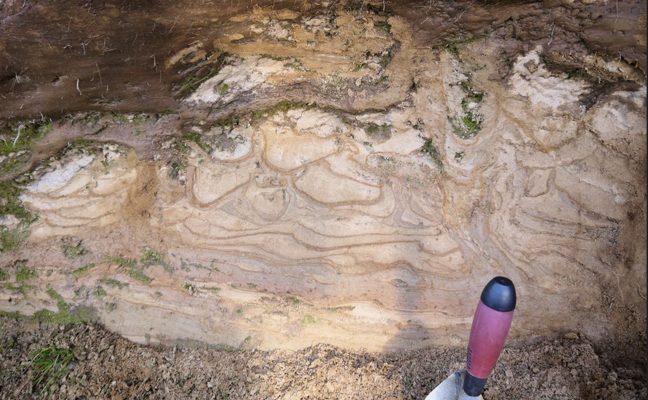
(367, 214)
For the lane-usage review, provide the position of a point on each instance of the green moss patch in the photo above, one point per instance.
(469, 122)
(74, 250)
(24, 274)
(223, 88)
(123, 262)
(10, 203)
(132, 269)
(65, 314)
(176, 169)
(113, 282)
(139, 275)
(384, 25)
(453, 45)
(100, 291)
(378, 132)
(16, 139)
(467, 126)
(12, 238)
(196, 138)
(80, 271)
(151, 257)
(430, 149)
(213, 289)
(577, 74)
(281, 106)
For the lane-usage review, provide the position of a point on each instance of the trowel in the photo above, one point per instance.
(490, 327)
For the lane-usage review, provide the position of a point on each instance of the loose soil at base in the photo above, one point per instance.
(108, 366)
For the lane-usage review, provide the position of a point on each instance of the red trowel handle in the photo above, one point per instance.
(488, 333)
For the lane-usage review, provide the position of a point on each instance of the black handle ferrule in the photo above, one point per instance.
(473, 386)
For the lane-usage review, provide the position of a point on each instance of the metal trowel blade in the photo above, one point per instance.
(451, 389)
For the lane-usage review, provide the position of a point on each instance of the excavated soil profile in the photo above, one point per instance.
(291, 200)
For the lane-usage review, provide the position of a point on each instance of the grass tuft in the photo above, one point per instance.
(49, 365)
(191, 83)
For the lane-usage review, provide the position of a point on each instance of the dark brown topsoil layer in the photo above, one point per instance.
(108, 366)
(59, 56)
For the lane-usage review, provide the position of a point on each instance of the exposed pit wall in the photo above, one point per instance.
(376, 229)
